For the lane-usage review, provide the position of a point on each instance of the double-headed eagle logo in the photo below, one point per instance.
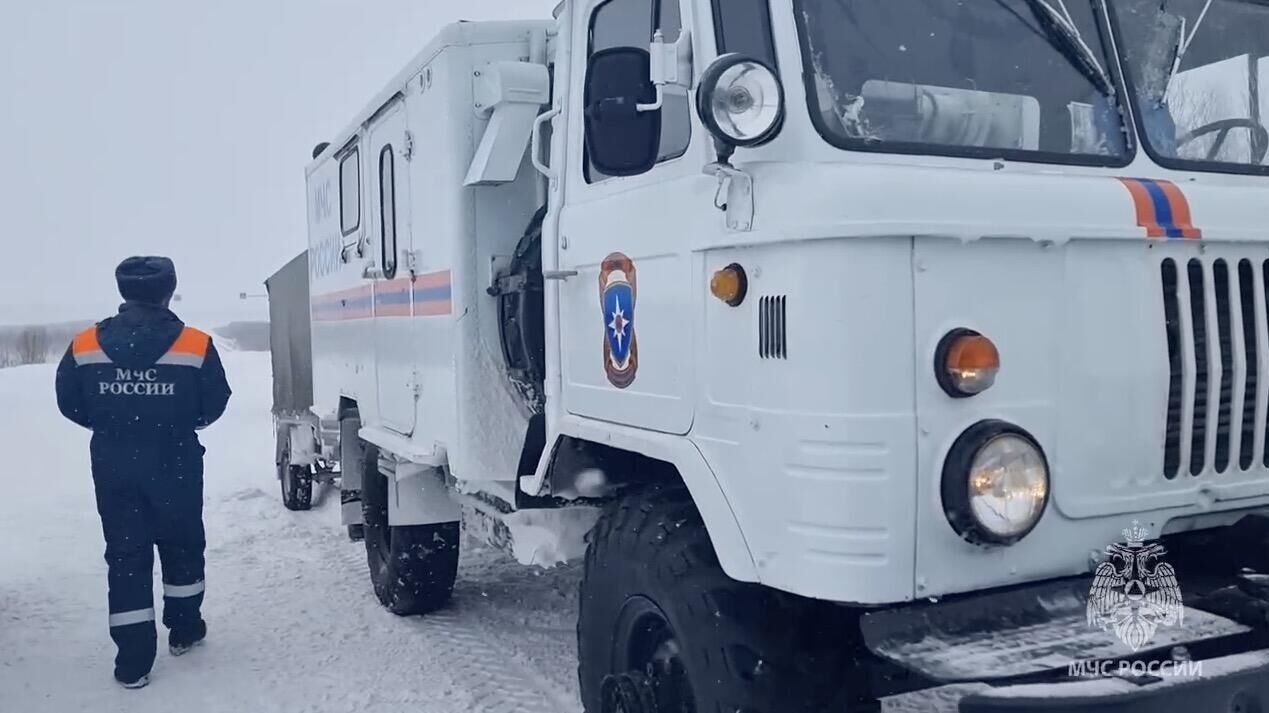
(1135, 592)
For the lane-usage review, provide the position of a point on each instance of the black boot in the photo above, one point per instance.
(180, 641)
(128, 682)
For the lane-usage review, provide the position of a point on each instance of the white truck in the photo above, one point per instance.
(842, 339)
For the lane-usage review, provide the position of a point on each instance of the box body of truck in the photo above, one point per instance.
(412, 338)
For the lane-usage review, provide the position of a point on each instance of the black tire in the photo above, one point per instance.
(521, 318)
(412, 567)
(651, 573)
(296, 482)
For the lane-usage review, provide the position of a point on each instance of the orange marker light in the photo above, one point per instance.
(966, 363)
(730, 284)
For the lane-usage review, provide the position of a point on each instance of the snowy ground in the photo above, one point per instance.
(293, 623)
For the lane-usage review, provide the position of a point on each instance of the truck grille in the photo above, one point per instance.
(1215, 321)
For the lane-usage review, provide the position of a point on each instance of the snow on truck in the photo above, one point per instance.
(860, 348)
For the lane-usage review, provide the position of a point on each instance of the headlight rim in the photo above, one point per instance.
(955, 482)
(708, 85)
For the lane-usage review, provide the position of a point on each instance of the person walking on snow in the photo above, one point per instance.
(144, 383)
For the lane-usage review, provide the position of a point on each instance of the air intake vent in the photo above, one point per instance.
(1199, 331)
(773, 340)
(1247, 295)
(1215, 321)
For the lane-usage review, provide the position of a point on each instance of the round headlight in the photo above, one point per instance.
(741, 101)
(995, 484)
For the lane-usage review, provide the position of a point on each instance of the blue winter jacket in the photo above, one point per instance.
(142, 373)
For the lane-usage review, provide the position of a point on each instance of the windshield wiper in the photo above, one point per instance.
(1062, 33)
(1182, 46)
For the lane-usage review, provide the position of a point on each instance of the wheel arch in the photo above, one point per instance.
(632, 457)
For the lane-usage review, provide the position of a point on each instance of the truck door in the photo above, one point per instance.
(626, 317)
(390, 239)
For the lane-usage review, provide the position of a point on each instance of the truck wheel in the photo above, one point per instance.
(412, 567)
(296, 481)
(659, 614)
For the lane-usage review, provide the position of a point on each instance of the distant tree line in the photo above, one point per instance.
(28, 346)
(35, 344)
(41, 344)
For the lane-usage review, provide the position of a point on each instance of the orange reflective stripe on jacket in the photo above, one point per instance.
(87, 350)
(192, 342)
(190, 349)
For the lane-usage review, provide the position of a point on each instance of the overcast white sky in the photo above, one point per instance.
(182, 129)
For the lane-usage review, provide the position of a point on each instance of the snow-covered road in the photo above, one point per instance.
(293, 623)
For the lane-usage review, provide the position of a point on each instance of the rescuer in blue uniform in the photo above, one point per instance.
(143, 382)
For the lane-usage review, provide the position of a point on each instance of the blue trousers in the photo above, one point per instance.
(150, 494)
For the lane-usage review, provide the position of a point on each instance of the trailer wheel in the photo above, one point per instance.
(659, 615)
(412, 567)
(296, 482)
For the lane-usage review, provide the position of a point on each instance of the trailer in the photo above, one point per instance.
(858, 349)
(297, 456)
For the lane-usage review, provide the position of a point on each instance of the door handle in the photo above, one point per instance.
(560, 275)
(536, 144)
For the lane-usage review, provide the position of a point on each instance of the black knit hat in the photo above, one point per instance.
(146, 279)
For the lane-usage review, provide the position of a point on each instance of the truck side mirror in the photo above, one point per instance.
(621, 140)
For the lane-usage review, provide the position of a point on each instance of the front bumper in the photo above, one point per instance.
(1042, 647)
(1233, 684)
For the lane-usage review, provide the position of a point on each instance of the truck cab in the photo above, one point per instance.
(872, 343)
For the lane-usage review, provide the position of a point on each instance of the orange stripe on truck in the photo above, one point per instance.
(1146, 214)
(1180, 210)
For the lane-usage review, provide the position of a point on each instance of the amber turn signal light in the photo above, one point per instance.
(966, 363)
(730, 285)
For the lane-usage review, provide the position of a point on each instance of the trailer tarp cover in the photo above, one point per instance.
(290, 337)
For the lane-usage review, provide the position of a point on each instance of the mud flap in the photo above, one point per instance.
(417, 495)
(350, 458)
(350, 508)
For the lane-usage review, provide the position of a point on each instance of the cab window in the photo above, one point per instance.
(388, 212)
(350, 192)
(631, 23)
(1199, 74)
(744, 27)
(1013, 79)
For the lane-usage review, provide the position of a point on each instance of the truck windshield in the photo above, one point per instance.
(1199, 74)
(1026, 79)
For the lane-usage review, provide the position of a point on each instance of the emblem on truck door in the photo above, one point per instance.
(618, 291)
